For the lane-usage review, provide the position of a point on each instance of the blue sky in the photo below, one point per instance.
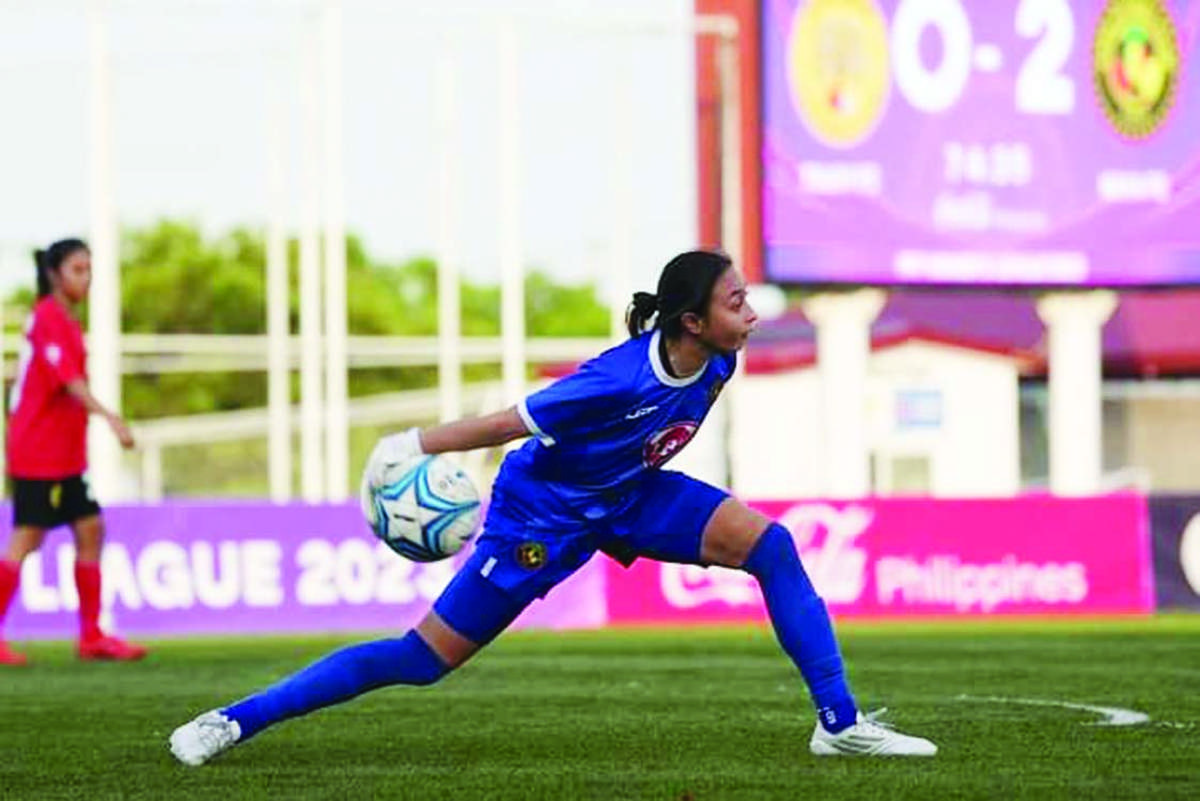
(193, 80)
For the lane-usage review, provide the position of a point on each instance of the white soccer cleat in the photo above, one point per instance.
(869, 737)
(199, 740)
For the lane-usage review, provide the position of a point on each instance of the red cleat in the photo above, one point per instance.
(110, 648)
(10, 657)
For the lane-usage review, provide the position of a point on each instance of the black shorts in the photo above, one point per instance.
(46, 503)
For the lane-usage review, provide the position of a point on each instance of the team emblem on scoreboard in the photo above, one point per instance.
(1135, 59)
(837, 67)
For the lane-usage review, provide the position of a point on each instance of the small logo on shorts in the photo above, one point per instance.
(531, 555)
(55, 495)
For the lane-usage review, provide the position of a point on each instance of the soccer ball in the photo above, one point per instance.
(425, 509)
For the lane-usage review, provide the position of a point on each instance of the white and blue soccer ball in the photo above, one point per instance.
(424, 509)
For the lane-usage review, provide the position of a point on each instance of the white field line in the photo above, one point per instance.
(1112, 715)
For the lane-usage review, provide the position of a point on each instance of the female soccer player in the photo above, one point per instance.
(591, 479)
(47, 446)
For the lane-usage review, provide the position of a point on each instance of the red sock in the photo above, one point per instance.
(87, 583)
(10, 579)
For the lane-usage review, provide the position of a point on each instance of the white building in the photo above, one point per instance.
(942, 419)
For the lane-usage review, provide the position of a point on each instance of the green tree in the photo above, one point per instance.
(554, 310)
(174, 279)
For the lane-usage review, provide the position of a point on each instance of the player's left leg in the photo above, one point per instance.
(88, 530)
(687, 521)
(737, 536)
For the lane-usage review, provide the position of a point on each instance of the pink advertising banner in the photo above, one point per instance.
(243, 568)
(896, 557)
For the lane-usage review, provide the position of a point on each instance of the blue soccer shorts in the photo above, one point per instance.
(517, 561)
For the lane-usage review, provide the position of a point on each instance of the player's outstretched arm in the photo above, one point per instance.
(461, 435)
(470, 433)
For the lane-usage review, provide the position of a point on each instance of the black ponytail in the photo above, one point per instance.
(43, 277)
(641, 309)
(685, 286)
(50, 261)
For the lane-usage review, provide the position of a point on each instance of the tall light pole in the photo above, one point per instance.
(512, 274)
(104, 302)
(446, 141)
(337, 425)
(311, 485)
(279, 404)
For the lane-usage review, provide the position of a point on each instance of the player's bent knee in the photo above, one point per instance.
(731, 534)
(450, 647)
(774, 554)
(89, 538)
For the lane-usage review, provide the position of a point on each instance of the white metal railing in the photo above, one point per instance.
(393, 407)
(1131, 477)
(148, 354)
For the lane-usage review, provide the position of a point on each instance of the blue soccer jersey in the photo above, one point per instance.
(598, 430)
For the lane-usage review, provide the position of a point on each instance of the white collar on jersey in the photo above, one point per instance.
(660, 372)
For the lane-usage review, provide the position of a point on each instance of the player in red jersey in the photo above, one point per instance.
(47, 446)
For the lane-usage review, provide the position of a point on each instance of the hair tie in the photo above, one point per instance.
(645, 303)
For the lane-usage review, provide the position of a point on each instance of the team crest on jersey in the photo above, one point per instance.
(667, 442)
(531, 555)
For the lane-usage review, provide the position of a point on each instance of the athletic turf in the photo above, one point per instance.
(659, 714)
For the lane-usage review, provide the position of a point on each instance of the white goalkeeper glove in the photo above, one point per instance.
(394, 450)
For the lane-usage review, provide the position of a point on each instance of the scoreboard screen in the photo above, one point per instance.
(996, 142)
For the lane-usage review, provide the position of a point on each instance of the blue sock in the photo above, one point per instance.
(802, 625)
(339, 677)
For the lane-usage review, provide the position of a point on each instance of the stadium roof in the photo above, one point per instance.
(1150, 334)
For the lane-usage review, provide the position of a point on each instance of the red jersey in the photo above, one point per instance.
(47, 426)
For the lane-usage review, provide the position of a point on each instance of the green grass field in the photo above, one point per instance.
(654, 713)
